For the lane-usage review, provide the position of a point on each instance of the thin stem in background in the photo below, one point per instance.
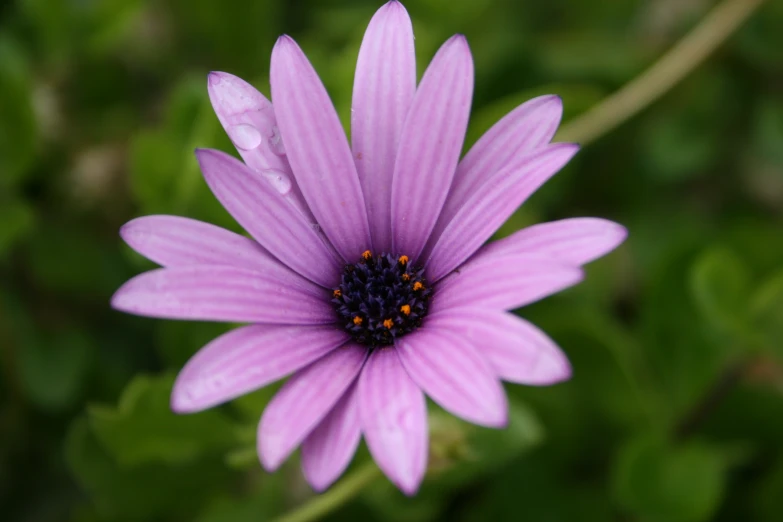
(344, 491)
(669, 70)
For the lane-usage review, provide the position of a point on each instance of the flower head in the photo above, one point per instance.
(365, 277)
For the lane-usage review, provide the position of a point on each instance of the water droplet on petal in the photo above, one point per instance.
(276, 142)
(280, 181)
(244, 136)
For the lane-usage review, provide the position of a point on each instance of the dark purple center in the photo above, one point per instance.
(381, 298)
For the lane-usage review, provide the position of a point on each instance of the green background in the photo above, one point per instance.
(675, 410)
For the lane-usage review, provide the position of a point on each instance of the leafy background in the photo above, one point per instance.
(675, 411)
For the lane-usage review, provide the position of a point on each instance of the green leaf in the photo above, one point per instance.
(720, 286)
(668, 483)
(767, 312)
(53, 365)
(145, 492)
(143, 429)
(18, 128)
(16, 221)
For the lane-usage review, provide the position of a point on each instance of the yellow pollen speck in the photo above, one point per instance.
(405, 277)
(403, 260)
(357, 320)
(337, 293)
(406, 309)
(366, 255)
(388, 323)
(417, 286)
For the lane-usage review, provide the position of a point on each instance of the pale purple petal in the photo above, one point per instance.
(247, 359)
(450, 370)
(529, 126)
(222, 293)
(503, 282)
(318, 150)
(250, 122)
(383, 90)
(328, 450)
(304, 401)
(492, 203)
(516, 350)
(265, 214)
(574, 241)
(393, 414)
(430, 146)
(178, 241)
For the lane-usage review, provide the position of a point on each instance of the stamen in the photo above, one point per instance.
(381, 298)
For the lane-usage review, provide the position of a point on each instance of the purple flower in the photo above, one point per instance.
(365, 278)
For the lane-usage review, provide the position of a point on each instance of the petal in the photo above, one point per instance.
(261, 211)
(247, 359)
(450, 370)
(250, 122)
(430, 146)
(492, 203)
(574, 241)
(179, 241)
(328, 450)
(304, 400)
(383, 90)
(318, 150)
(503, 282)
(529, 126)
(516, 350)
(393, 414)
(222, 293)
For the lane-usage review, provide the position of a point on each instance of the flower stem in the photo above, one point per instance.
(345, 490)
(640, 92)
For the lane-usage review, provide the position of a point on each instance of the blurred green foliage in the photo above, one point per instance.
(675, 411)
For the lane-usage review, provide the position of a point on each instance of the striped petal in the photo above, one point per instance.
(304, 401)
(383, 90)
(430, 146)
(528, 127)
(177, 241)
(222, 293)
(491, 205)
(503, 282)
(393, 414)
(264, 213)
(574, 241)
(450, 370)
(318, 150)
(328, 450)
(516, 350)
(248, 358)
